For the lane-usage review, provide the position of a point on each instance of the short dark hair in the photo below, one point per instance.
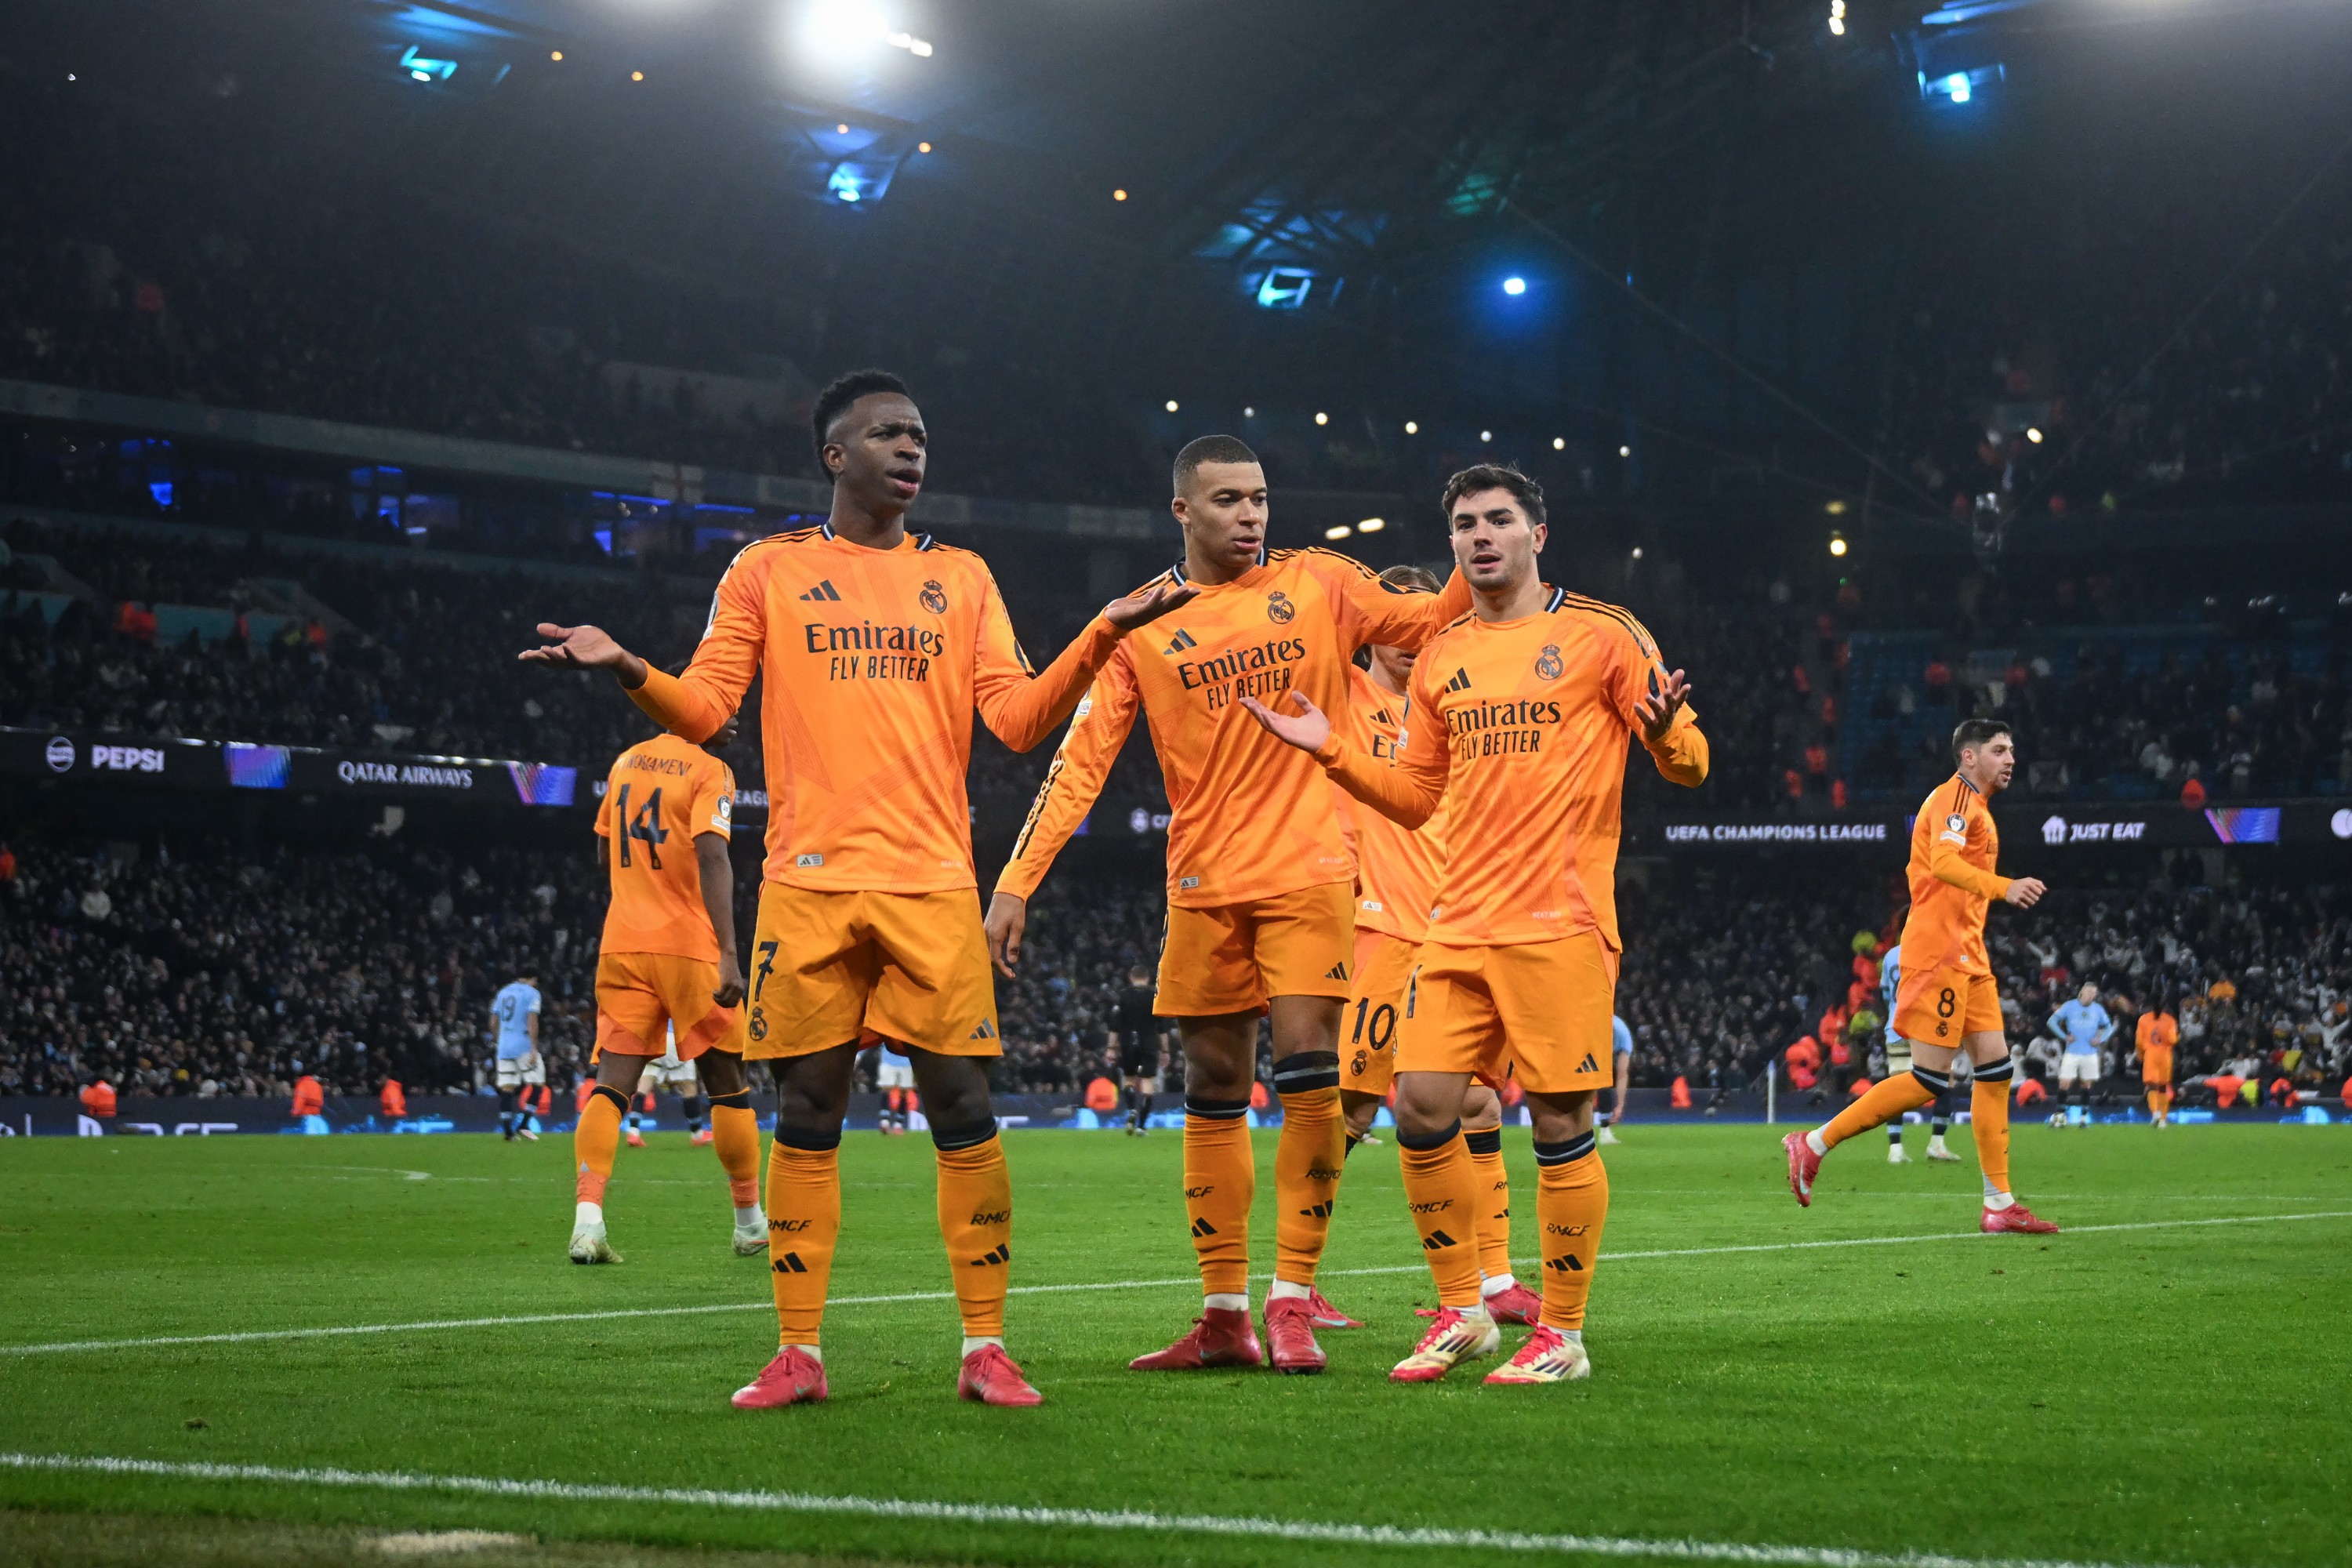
(1418, 579)
(834, 400)
(1976, 732)
(1210, 449)
(1493, 477)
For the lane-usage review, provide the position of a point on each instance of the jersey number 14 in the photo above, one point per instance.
(645, 826)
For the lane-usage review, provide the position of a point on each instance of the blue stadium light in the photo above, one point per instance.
(421, 69)
(1515, 285)
(1284, 287)
(842, 183)
(1956, 87)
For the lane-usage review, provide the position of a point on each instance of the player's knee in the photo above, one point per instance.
(722, 1072)
(954, 1089)
(1423, 1112)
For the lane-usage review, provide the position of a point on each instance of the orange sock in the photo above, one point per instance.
(1571, 1205)
(1493, 1210)
(1884, 1102)
(1441, 1187)
(1988, 1119)
(803, 1223)
(1220, 1184)
(596, 1141)
(735, 1138)
(976, 1224)
(1306, 1160)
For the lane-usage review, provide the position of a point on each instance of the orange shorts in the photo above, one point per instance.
(1541, 1010)
(829, 968)
(1232, 958)
(1375, 1001)
(637, 993)
(1940, 1006)
(2155, 1068)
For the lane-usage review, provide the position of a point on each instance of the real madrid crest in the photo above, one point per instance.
(1279, 609)
(1547, 663)
(935, 598)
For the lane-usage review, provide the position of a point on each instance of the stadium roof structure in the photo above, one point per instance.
(1672, 234)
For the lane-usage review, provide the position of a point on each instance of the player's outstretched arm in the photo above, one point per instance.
(1373, 611)
(1404, 794)
(1021, 709)
(1073, 782)
(2025, 892)
(585, 648)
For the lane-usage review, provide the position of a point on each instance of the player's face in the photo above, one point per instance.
(2087, 995)
(1493, 541)
(1393, 666)
(1996, 760)
(1224, 512)
(878, 448)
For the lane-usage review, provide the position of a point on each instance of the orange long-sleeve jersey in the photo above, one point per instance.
(1397, 867)
(661, 796)
(1954, 846)
(1521, 729)
(1250, 817)
(873, 662)
(2157, 1033)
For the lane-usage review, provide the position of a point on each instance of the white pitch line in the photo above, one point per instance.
(431, 1324)
(1424, 1536)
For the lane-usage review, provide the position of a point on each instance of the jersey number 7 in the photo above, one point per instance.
(645, 826)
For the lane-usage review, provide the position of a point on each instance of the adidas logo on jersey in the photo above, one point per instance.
(1320, 1211)
(1202, 1227)
(824, 591)
(1436, 1240)
(1001, 1253)
(790, 1263)
(1461, 681)
(1338, 972)
(1588, 1064)
(1184, 640)
(1567, 1265)
(987, 1031)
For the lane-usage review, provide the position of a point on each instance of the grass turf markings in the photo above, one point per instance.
(1304, 1530)
(432, 1324)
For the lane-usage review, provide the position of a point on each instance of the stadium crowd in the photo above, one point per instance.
(203, 971)
(197, 969)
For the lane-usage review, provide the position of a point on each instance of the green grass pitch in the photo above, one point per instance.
(2164, 1391)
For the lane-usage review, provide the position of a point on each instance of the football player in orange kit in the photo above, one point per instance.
(1524, 711)
(1397, 873)
(875, 646)
(1948, 1001)
(668, 958)
(1260, 895)
(2157, 1033)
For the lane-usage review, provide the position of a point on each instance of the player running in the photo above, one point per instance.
(1523, 711)
(1898, 1061)
(1611, 1100)
(1949, 1004)
(1397, 873)
(669, 981)
(1137, 1040)
(2157, 1033)
(514, 1014)
(1259, 880)
(873, 646)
